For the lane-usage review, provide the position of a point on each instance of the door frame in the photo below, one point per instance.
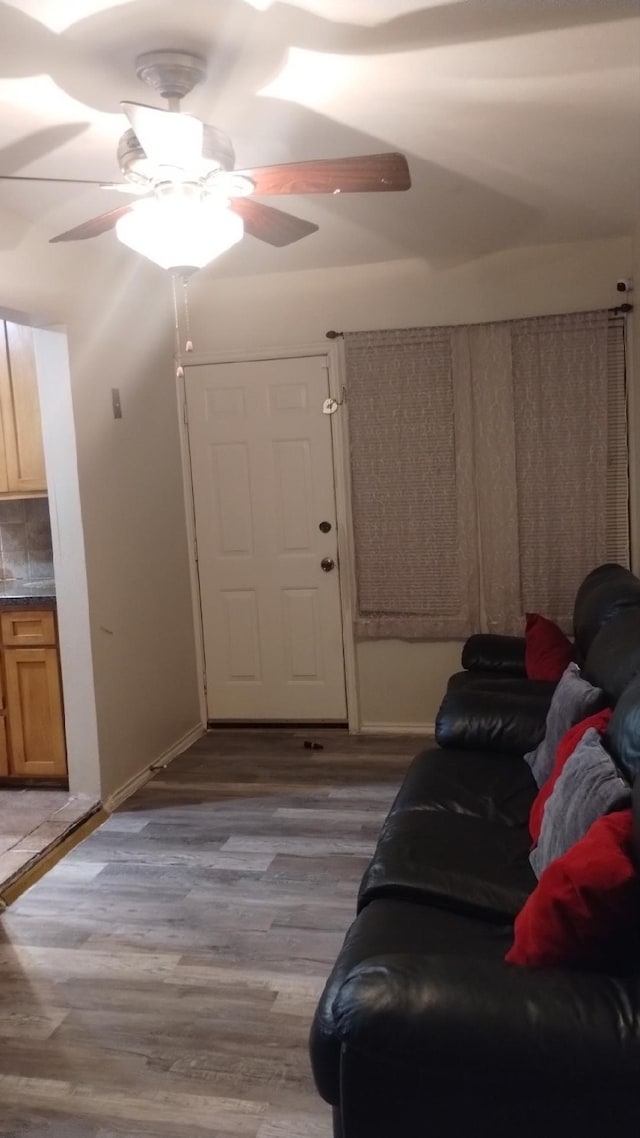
(334, 356)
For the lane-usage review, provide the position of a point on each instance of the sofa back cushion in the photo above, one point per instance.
(605, 591)
(613, 659)
(622, 737)
(478, 719)
(488, 652)
(622, 740)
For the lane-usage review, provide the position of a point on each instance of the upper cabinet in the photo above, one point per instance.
(21, 453)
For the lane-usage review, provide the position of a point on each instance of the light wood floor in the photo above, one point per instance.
(160, 980)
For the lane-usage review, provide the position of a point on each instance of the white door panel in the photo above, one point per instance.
(262, 472)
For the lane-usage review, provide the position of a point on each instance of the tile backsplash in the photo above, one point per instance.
(25, 540)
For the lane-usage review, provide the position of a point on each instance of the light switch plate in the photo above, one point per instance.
(115, 402)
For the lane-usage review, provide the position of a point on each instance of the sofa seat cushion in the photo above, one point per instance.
(499, 788)
(452, 860)
(395, 927)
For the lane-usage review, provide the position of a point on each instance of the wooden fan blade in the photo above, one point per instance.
(61, 181)
(365, 174)
(94, 227)
(271, 225)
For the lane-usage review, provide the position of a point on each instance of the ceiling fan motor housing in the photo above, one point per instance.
(217, 154)
(173, 74)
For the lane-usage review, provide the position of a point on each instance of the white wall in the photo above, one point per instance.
(54, 381)
(290, 308)
(134, 521)
(399, 682)
(117, 311)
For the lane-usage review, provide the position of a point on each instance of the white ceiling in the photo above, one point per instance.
(520, 118)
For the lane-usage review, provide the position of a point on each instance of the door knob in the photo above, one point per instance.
(327, 564)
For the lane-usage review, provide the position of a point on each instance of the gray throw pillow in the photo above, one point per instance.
(574, 699)
(588, 787)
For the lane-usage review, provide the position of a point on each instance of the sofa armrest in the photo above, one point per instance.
(488, 652)
(471, 719)
(533, 1025)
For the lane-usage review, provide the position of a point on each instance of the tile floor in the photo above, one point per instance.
(32, 822)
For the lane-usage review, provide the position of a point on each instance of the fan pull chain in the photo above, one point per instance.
(176, 327)
(188, 347)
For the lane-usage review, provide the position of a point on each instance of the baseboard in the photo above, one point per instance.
(397, 729)
(128, 788)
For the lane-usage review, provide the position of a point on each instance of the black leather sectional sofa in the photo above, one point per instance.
(423, 1029)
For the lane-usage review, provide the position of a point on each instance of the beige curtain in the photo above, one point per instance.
(489, 471)
(560, 403)
(543, 398)
(617, 485)
(490, 363)
(414, 513)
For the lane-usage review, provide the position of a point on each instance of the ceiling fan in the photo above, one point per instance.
(192, 204)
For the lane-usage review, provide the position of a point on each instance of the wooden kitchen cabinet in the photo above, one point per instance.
(32, 714)
(22, 469)
(4, 745)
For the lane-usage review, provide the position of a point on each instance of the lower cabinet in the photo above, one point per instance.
(32, 742)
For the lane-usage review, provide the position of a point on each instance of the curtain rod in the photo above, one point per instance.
(620, 310)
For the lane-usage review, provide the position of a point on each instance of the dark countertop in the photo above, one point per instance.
(27, 594)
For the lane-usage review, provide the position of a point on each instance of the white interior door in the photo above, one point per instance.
(261, 459)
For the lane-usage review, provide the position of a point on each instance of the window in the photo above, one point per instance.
(489, 471)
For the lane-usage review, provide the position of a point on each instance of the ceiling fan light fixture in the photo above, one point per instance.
(180, 232)
(196, 204)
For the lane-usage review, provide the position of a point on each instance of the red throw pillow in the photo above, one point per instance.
(547, 650)
(564, 750)
(585, 911)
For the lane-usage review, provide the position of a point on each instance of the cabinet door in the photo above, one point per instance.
(28, 628)
(20, 407)
(34, 713)
(4, 750)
